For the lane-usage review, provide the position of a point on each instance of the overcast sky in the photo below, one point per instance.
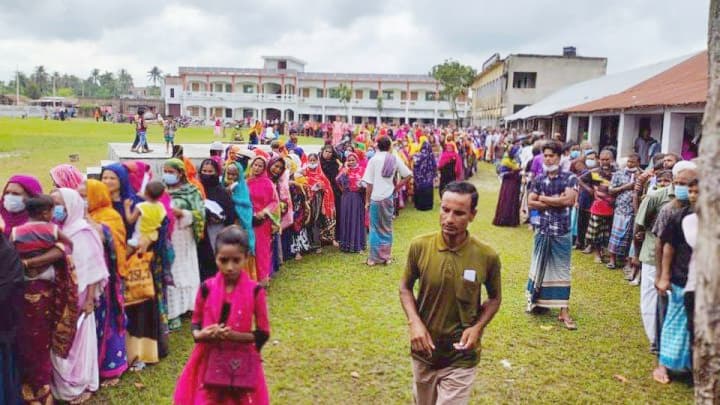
(383, 36)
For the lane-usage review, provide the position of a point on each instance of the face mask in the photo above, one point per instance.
(170, 179)
(590, 163)
(86, 205)
(574, 154)
(346, 153)
(682, 193)
(59, 214)
(209, 180)
(312, 165)
(633, 170)
(370, 154)
(588, 151)
(550, 169)
(14, 203)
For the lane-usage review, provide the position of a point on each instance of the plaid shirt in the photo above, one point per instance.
(554, 221)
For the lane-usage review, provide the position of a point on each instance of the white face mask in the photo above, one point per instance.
(14, 203)
(550, 169)
(312, 165)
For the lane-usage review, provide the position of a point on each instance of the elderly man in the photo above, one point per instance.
(448, 317)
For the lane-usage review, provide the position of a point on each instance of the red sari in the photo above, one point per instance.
(263, 196)
(247, 301)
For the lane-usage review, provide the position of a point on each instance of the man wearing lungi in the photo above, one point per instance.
(552, 193)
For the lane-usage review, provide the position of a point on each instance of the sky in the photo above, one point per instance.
(371, 36)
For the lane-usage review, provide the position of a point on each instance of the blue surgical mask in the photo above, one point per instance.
(59, 214)
(590, 163)
(14, 203)
(574, 154)
(170, 179)
(370, 154)
(682, 193)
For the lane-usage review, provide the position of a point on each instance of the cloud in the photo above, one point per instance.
(391, 36)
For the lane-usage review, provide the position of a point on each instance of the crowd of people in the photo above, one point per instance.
(635, 214)
(102, 270)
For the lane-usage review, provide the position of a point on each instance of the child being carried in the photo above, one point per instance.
(147, 216)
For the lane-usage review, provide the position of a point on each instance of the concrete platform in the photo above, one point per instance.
(196, 152)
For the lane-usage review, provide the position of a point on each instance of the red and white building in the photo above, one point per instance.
(282, 90)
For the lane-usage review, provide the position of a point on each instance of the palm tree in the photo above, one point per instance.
(56, 81)
(154, 75)
(125, 81)
(40, 77)
(344, 95)
(95, 76)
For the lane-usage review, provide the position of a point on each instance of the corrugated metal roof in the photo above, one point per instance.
(593, 89)
(683, 84)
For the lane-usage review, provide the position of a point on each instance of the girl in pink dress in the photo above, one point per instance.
(224, 311)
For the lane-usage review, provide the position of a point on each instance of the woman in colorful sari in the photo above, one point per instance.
(330, 162)
(77, 376)
(352, 223)
(424, 170)
(11, 299)
(507, 212)
(298, 240)
(279, 176)
(67, 176)
(322, 204)
(189, 211)
(219, 214)
(450, 166)
(230, 311)
(17, 189)
(147, 338)
(265, 202)
(110, 311)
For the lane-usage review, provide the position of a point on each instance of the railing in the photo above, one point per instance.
(190, 96)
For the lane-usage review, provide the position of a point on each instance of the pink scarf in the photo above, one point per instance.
(447, 156)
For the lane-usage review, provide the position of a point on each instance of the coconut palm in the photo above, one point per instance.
(154, 75)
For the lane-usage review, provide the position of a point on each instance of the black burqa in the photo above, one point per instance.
(331, 169)
(11, 298)
(214, 191)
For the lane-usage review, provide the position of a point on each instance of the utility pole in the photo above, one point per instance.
(17, 85)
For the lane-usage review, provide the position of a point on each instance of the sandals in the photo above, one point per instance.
(370, 263)
(611, 266)
(569, 323)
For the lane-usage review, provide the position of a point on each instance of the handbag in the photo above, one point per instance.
(139, 283)
(232, 365)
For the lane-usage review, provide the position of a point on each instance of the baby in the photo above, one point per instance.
(147, 216)
(38, 236)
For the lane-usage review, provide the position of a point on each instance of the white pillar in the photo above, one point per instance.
(627, 131)
(594, 125)
(571, 131)
(665, 137)
(673, 131)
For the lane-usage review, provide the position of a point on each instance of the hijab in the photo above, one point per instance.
(216, 192)
(88, 253)
(32, 186)
(101, 211)
(187, 197)
(330, 167)
(448, 155)
(243, 206)
(66, 175)
(352, 175)
(316, 176)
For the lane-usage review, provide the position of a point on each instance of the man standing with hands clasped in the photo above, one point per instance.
(448, 317)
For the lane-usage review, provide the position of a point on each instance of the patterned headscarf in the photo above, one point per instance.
(66, 176)
(32, 187)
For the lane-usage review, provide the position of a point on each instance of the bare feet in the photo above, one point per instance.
(298, 256)
(111, 382)
(82, 398)
(660, 375)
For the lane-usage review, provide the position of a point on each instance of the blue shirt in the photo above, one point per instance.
(554, 221)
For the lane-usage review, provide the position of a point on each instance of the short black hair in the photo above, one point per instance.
(634, 155)
(554, 146)
(384, 143)
(233, 235)
(463, 188)
(38, 205)
(155, 189)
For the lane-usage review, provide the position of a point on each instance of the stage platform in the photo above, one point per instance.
(196, 152)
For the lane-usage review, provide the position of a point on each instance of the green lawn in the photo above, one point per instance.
(332, 316)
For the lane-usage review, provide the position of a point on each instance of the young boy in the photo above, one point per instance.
(147, 217)
(38, 235)
(169, 129)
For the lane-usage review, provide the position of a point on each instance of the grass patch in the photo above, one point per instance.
(332, 316)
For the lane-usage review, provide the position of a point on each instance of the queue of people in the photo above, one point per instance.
(101, 271)
(630, 216)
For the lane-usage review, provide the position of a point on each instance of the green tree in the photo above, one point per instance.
(95, 76)
(155, 75)
(108, 85)
(41, 78)
(65, 92)
(456, 79)
(124, 82)
(33, 91)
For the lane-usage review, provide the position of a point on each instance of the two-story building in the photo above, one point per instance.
(282, 90)
(506, 86)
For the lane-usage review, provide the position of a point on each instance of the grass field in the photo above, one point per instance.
(333, 317)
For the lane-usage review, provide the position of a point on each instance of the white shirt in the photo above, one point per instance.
(690, 229)
(526, 155)
(383, 187)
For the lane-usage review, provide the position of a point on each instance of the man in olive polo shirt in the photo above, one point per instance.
(448, 317)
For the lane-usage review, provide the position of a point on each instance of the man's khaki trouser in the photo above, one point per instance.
(446, 386)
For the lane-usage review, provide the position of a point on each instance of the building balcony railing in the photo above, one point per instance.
(292, 99)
